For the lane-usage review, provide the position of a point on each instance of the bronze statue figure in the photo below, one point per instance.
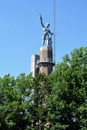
(47, 34)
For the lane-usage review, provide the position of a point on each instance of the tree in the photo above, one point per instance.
(14, 108)
(39, 95)
(56, 102)
(23, 102)
(67, 104)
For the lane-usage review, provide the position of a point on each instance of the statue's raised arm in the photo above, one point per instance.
(41, 21)
(47, 34)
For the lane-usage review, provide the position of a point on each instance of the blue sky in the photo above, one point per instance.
(21, 32)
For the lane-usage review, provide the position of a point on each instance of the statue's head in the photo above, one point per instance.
(47, 25)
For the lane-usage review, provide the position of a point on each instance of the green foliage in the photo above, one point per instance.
(67, 103)
(57, 102)
(15, 95)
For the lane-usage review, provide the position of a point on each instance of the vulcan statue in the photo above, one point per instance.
(47, 34)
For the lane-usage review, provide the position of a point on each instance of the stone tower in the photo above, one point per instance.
(34, 64)
(46, 60)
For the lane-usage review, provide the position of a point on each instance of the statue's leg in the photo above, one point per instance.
(43, 42)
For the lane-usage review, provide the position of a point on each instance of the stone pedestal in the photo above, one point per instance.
(46, 60)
